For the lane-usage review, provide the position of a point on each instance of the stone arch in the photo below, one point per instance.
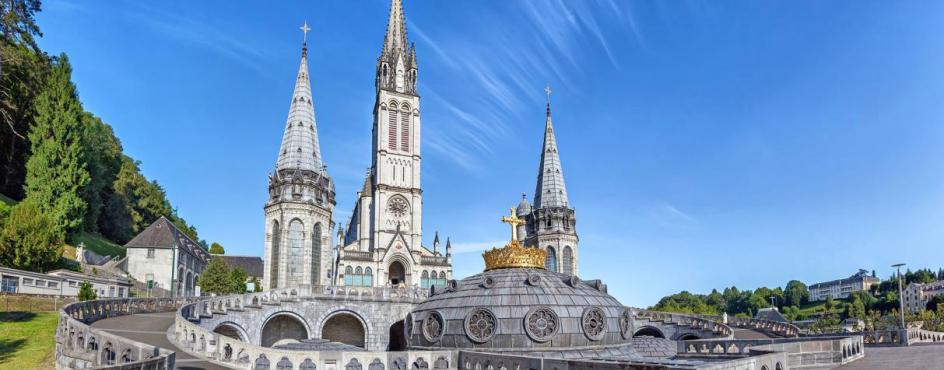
(344, 326)
(688, 336)
(397, 272)
(650, 331)
(231, 330)
(283, 364)
(262, 363)
(284, 325)
(397, 340)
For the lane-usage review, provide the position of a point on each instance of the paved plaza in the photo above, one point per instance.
(920, 356)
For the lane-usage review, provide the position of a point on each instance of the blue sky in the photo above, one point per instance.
(705, 144)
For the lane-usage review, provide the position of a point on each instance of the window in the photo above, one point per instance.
(392, 129)
(72, 284)
(111, 291)
(568, 260)
(274, 259)
(296, 256)
(405, 129)
(150, 253)
(349, 276)
(40, 283)
(424, 280)
(368, 277)
(551, 262)
(52, 284)
(121, 292)
(358, 277)
(9, 284)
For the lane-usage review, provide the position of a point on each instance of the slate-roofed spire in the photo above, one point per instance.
(300, 149)
(395, 39)
(550, 190)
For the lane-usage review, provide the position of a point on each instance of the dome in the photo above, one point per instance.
(519, 309)
(524, 207)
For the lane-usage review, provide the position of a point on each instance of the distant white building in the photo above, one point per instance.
(61, 282)
(168, 258)
(916, 295)
(841, 288)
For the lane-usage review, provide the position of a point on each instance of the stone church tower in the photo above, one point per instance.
(383, 239)
(298, 213)
(550, 221)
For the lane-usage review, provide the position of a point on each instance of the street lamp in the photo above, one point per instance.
(901, 296)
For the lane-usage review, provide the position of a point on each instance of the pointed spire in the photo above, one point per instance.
(300, 148)
(395, 39)
(448, 247)
(550, 190)
(436, 243)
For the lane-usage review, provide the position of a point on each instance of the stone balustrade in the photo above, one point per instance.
(234, 353)
(80, 346)
(800, 352)
(717, 328)
(771, 328)
(924, 336)
(434, 260)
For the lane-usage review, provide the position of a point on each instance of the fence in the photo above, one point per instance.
(33, 303)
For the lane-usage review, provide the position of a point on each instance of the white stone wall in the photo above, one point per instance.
(160, 266)
(309, 215)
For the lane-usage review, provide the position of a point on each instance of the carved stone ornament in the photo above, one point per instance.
(481, 325)
(534, 279)
(433, 326)
(541, 324)
(398, 207)
(594, 323)
(626, 324)
(488, 282)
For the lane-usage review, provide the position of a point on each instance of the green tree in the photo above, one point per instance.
(796, 293)
(830, 303)
(256, 285)
(30, 240)
(103, 152)
(855, 309)
(239, 280)
(17, 23)
(86, 293)
(936, 303)
(56, 170)
(216, 248)
(216, 278)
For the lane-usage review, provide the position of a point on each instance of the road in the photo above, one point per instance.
(152, 329)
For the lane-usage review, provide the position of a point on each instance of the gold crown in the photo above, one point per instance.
(514, 255)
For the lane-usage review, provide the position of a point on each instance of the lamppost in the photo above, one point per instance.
(901, 297)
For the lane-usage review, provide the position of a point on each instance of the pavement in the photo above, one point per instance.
(749, 334)
(152, 329)
(919, 356)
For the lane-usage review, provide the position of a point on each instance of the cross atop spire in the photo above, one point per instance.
(305, 30)
(547, 91)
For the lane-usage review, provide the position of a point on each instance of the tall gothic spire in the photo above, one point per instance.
(300, 149)
(395, 39)
(550, 190)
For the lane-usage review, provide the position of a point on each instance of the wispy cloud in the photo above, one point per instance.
(669, 215)
(202, 34)
(459, 248)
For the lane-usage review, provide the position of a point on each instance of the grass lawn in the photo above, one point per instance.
(27, 340)
(100, 245)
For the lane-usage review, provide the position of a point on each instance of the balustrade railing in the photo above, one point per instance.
(694, 321)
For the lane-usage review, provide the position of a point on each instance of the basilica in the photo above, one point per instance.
(382, 242)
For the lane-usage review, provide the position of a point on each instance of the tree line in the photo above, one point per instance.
(63, 163)
(877, 307)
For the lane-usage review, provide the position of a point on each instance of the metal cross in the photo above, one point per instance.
(513, 221)
(305, 30)
(547, 90)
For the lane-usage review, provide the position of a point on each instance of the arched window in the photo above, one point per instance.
(392, 122)
(368, 277)
(274, 253)
(568, 260)
(424, 280)
(551, 262)
(316, 254)
(349, 276)
(405, 128)
(296, 253)
(358, 276)
(442, 278)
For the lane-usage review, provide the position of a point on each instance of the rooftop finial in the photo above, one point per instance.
(305, 30)
(547, 91)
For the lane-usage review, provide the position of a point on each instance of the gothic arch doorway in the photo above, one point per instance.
(396, 273)
(345, 327)
(283, 326)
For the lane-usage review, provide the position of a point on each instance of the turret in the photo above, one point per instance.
(436, 244)
(396, 66)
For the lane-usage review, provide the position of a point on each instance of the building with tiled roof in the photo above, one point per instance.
(166, 256)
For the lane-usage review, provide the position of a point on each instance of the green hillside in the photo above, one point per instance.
(98, 244)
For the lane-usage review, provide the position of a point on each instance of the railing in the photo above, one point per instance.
(434, 260)
(358, 256)
(231, 352)
(924, 336)
(80, 346)
(303, 292)
(800, 352)
(693, 321)
(774, 328)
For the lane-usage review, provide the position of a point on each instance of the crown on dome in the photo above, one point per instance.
(513, 254)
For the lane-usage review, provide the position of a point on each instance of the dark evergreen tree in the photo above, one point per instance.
(216, 278)
(104, 161)
(239, 280)
(216, 248)
(56, 171)
(86, 293)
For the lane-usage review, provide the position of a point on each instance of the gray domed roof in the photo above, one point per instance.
(523, 206)
(519, 309)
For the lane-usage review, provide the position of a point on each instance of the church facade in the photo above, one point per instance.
(550, 223)
(381, 243)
